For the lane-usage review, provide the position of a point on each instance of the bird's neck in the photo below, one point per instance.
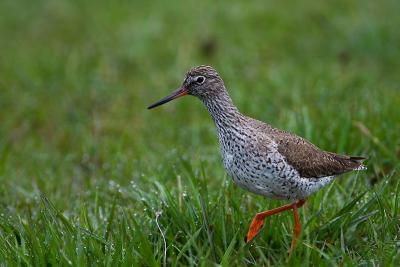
(224, 113)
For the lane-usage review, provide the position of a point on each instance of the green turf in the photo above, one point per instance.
(89, 176)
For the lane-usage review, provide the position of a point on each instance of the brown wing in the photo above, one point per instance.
(308, 159)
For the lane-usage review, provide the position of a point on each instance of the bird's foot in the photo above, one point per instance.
(258, 222)
(255, 227)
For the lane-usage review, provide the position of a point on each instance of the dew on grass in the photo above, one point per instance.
(112, 183)
(133, 184)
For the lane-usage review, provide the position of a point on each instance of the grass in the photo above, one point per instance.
(88, 176)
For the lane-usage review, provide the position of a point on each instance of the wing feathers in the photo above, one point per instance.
(306, 158)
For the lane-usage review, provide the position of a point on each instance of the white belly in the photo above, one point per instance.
(277, 180)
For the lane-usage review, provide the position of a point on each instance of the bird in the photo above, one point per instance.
(262, 159)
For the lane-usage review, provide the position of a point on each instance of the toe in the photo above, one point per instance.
(254, 229)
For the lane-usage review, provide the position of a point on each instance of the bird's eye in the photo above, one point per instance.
(200, 79)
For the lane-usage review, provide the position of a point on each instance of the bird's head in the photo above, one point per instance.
(202, 82)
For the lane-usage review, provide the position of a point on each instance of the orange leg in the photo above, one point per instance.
(296, 228)
(258, 221)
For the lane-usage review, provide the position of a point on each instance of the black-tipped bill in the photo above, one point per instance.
(175, 94)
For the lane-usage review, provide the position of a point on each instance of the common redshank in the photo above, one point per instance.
(260, 158)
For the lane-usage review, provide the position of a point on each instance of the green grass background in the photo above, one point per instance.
(86, 172)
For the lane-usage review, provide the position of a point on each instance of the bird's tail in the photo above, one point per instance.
(359, 163)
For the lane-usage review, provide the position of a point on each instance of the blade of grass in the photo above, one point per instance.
(229, 250)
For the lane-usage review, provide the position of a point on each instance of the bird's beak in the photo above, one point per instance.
(175, 94)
